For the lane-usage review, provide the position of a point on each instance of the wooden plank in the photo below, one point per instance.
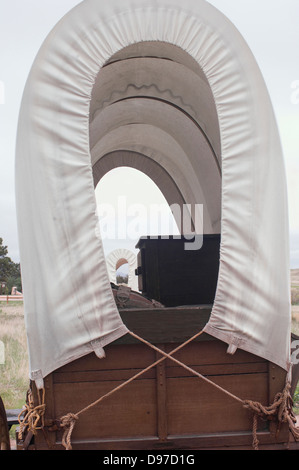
(101, 375)
(276, 384)
(118, 356)
(4, 431)
(43, 438)
(167, 325)
(277, 380)
(211, 352)
(197, 407)
(221, 441)
(225, 441)
(126, 413)
(161, 399)
(218, 369)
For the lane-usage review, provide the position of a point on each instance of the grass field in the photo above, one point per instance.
(14, 368)
(14, 379)
(295, 286)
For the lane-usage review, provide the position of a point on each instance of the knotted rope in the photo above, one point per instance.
(68, 423)
(31, 415)
(281, 407)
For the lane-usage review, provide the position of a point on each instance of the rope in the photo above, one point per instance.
(31, 415)
(281, 407)
(169, 356)
(68, 421)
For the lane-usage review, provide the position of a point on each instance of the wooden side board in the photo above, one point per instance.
(168, 407)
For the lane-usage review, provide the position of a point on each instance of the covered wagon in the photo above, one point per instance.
(169, 88)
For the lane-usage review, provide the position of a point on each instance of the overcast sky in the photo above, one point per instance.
(270, 28)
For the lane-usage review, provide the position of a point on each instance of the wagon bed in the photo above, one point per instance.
(167, 407)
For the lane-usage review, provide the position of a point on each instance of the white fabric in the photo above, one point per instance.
(112, 260)
(176, 146)
(69, 308)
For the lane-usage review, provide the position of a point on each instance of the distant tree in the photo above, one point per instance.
(13, 281)
(9, 271)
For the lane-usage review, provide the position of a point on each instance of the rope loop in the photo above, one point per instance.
(280, 409)
(32, 417)
(68, 422)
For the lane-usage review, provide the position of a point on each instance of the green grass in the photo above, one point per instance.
(14, 376)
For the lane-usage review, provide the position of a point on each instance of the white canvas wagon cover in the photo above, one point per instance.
(203, 126)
